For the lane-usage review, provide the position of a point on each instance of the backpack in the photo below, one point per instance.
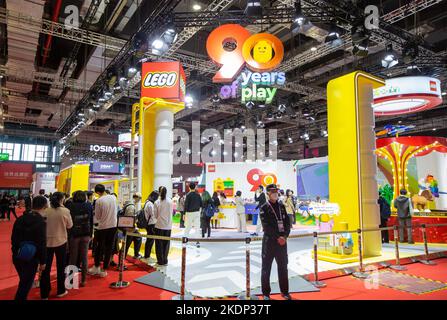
(142, 223)
(122, 211)
(210, 210)
(27, 251)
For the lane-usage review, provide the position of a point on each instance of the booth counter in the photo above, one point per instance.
(434, 234)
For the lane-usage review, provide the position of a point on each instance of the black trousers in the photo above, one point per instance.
(106, 238)
(149, 242)
(272, 250)
(13, 210)
(182, 219)
(385, 233)
(61, 255)
(27, 271)
(206, 226)
(3, 210)
(136, 245)
(162, 246)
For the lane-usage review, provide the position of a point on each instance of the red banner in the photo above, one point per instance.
(16, 175)
(163, 80)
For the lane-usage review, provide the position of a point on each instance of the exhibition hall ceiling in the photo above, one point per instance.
(56, 56)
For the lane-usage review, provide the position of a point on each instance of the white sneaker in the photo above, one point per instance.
(62, 294)
(102, 273)
(94, 271)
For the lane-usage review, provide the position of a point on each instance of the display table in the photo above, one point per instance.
(434, 234)
(250, 208)
(230, 217)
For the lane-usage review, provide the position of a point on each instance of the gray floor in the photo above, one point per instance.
(218, 269)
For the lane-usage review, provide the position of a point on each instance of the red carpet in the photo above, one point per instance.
(342, 288)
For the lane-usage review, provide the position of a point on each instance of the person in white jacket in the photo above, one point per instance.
(149, 212)
(163, 214)
(240, 211)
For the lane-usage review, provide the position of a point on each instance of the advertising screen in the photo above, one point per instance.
(105, 167)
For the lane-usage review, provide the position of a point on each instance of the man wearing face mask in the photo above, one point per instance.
(276, 225)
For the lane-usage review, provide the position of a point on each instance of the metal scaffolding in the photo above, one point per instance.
(28, 23)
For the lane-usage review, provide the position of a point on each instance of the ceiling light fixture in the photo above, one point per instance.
(390, 58)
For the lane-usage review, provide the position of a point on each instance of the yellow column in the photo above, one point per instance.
(155, 151)
(352, 162)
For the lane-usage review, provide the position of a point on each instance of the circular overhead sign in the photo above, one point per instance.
(407, 95)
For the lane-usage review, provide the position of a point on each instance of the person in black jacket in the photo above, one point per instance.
(261, 201)
(81, 212)
(193, 206)
(276, 225)
(385, 212)
(29, 229)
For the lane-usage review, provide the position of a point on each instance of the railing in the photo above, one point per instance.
(361, 273)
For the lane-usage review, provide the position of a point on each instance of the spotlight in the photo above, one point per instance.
(215, 98)
(260, 124)
(305, 136)
(333, 36)
(300, 23)
(282, 108)
(323, 133)
(131, 72)
(170, 35)
(253, 8)
(361, 49)
(196, 7)
(390, 58)
(250, 104)
(305, 112)
(410, 53)
(313, 49)
(278, 115)
(290, 139)
(158, 46)
(188, 101)
(270, 116)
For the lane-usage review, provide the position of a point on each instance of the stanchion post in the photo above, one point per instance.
(360, 274)
(397, 266)
(247, 294)
(183, 295)
(317, 283)
(120, 283)
(426, 261)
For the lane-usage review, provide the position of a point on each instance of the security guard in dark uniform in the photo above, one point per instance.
(276, 225)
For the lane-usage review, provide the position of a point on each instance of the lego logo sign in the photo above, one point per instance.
(212, 168)
(164, 80)
(160, 79)
(433, 86)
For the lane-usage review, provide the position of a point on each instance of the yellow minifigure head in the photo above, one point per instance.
(263, 51)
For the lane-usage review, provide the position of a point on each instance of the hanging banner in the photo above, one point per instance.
(163, 80)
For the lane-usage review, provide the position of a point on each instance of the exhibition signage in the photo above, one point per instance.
(407, 95)
(15, 175)
(105, 167)
(164, 80)
(324, 208)
(230, 177)
(4, 156)
(261, 53)
(105, 149)
(124, 140)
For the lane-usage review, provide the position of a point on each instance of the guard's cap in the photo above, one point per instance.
(271, 187)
